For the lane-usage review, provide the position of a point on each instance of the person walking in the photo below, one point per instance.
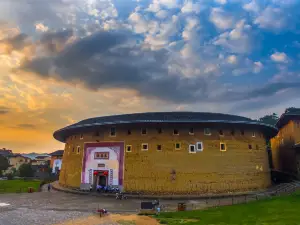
(49, 187)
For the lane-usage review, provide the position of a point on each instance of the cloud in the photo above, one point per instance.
(190, 7)
(271, 18)
(258, 66)
(4, 110)
(221, 19)
(252, 6)
(280, 57)
(222, 2)
(232, 59)
(26, 126)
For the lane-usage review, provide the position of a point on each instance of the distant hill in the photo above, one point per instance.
(33, 155)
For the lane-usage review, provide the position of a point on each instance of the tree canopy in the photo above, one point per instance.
(4, 163)
(25, 170)
(269, 119)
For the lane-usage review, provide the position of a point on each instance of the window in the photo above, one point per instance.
(158, 147)
(191, 131)
(128, 148)
(101, 165)
(232, 132)
(144, 131)
(253, 134)
(250, 146)
(242, 132)
(78, 149)
(222, 147)
(71, 137)
(97, 133)
(101, 155)
(144, 147)
(112, 131)
(199, 146)
(175, 132)
(159, 130)
(207, 131)
(73, 150)
(81, 136)
(192, 149)
(177, 146)
(129, 132)
(221, 132)
(75, 137)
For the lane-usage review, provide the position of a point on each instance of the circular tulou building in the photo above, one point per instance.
(167, 153)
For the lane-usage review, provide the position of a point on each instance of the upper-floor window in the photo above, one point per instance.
(101, 155)
(78, 149)
(192, 149)
(128, 148)
(232, 132)
(253, 134)
(144, 147)
(176, 132)
(144, 131)
(158, 148)
(112, 132)
(177, 146)
(242, 132)
(207, 131)
(97, 133)
(81, 136)
(129, 132)
(191, 131)
(73, 150)
(250, 146)
(221, 133)
(159, 130)
(222, 147)
(199, 146)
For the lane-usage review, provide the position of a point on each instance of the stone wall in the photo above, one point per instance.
(178, 171)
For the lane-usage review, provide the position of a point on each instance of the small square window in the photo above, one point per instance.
(158, 147)
(221, 132)
(207, 131)
(250, 146)
(222, 147)
(144, 147)
(177, 146)
(199, 146)
(73, 150)
(81, 136)
(191, 131)
(175, 132)
(242, 132)
(129, 132)
(128, 148)
(159, 130)
(192, 149)
(253, 134)
(232, 132)
(112, 131)
(144, 131)
(78, 149)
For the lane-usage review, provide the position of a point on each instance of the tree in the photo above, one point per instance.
(269, 119)
(292, 110)
(4, 163)
(25, 170)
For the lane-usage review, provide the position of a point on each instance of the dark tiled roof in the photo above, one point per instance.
(288, 116)
(57, 153)
(158, 117)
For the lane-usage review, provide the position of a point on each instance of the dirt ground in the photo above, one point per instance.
(112, 219)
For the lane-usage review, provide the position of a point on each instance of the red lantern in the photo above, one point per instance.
(105, 173)
(96, 173)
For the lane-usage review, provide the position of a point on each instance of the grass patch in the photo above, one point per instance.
(15, 186)
(126, 222)
(275, 211)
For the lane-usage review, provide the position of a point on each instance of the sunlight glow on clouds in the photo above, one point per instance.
(63, 61)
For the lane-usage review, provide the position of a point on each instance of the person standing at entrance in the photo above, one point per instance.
(49, 187)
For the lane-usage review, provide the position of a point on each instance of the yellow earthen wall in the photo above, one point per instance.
(210, 171)
(282, 145)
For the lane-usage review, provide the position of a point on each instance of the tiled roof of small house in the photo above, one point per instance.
(57, 153)
(158, 117)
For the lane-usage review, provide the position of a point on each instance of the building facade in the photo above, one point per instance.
(167, 153)
(15, 161)
(285, 145)
(56, 161)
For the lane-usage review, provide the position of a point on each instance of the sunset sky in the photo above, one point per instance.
(62, 61)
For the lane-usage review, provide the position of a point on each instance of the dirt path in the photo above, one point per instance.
(112, 219)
